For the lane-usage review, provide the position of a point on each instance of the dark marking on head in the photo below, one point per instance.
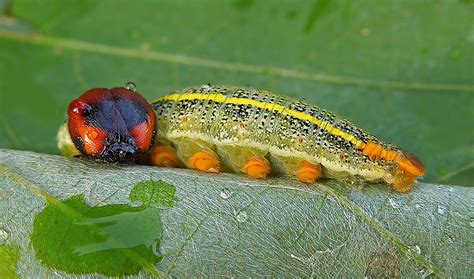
(79, 144)
(121, 121)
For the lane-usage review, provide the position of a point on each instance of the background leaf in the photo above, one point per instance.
(227, 225)
(403, 70)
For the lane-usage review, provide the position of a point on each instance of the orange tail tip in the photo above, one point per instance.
(409, 163)
(405, 160)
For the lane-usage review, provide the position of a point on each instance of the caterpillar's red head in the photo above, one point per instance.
(114, 125)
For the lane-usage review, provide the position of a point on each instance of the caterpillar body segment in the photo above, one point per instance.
(234, 129)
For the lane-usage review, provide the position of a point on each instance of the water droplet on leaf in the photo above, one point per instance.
(4, 234)
(241, 216)
(225, 193)
(441, 209)
(131, 86)
(393, 203)
(416, 249)
(425, 273)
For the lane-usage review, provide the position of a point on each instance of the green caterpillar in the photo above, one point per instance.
(252, 131)
(232, 129)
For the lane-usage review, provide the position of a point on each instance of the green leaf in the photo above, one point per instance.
(402, 70)
(9, 255)
(75, 238)
(227, 225)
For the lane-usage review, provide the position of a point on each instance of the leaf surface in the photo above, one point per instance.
(228, 225)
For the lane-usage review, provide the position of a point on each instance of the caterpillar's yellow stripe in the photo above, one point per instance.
(264, 105)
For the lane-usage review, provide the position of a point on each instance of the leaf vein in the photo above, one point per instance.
(228, 66)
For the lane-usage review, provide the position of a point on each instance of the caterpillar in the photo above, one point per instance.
(234, 129)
